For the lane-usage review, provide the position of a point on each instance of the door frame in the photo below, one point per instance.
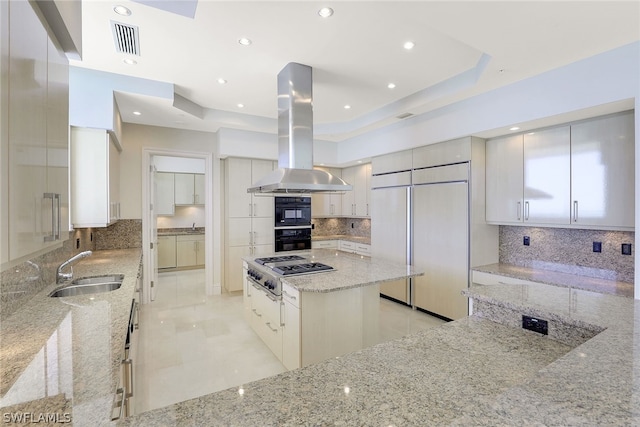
(147, 155)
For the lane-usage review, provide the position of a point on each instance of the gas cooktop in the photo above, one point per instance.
(310, 267)
(278, 259)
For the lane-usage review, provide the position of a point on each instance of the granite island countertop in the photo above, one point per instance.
(351, 271)
(62, 356)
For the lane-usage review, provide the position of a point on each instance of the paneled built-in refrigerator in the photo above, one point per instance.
(424, 221)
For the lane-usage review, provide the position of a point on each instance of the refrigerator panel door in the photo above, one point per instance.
(389, 234)
(441, 248)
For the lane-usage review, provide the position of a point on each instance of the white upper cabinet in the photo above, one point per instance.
(95, 178)
(355, 203)
(327, 204)
(547, 175)
(394, 162)
(35, 134)
(241, 174)
(602, 172)
(579, 175)
(189, 189)
(504, 179)
(165, 202)
(528, 178)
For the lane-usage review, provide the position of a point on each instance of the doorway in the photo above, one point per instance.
(150, 157)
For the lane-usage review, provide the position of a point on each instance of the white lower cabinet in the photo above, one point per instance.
(265, 320)
(355, 248)
(290, 310)
(190, 250)
(166, 251)
(324, 244)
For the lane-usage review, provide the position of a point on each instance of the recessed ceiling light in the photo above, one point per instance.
(137, 113)
(347, 107)
(514, 128)
(325, 12)
(359, 161)
(409, 45)
(130, 61)
(244, 41)
(240, 105)
(222, 81)
(391, 85)
(121, 10)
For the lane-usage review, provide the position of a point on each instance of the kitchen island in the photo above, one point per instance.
(319, 315)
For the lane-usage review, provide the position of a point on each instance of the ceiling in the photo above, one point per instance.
(461, 49)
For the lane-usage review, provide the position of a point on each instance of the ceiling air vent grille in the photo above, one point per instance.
(126, 38)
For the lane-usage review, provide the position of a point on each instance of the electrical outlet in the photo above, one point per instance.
(597, 246)
(77, 243)
(536, 325)
(526, 240)
(351, 225)
(626, 249)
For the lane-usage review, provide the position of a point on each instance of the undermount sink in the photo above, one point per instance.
(90, 285)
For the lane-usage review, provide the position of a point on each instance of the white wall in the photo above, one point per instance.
(184, 217)
(179, 164)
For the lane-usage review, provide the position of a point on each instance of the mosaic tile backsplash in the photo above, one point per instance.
(569, 251)
(357, 227)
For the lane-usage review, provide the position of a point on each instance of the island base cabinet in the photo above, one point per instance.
(290, 327)
(266, 320)
(336, 323)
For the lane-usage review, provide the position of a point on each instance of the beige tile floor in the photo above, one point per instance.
(191, 343)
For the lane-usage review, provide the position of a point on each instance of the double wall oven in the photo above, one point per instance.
(292, 223)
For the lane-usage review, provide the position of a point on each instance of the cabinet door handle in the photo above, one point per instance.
(526, 211)
(256, 313)
(129, 384)
(519, 211)
(367, 209)
(575, 211)
(52, 236)
(120, 390)
(281, 314)
(250, 210)
(269, 326)
(255, 209)
(288, 294)
(250, 238)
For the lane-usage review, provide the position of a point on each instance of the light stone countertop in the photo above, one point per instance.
(351, 271)
(180, 231)
(63, 355)
(549, 277)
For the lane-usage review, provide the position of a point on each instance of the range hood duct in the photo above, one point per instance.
(295, 173)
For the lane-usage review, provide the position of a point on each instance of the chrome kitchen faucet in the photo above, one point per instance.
(60, 276)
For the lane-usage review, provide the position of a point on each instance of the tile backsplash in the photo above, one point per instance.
(569, 251)
(357, 227)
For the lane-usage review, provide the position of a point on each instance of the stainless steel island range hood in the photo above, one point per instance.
(295, 173)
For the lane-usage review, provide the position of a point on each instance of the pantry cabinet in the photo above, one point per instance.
(249, 218)
(95, 178)
(325, 205)
(35, 134)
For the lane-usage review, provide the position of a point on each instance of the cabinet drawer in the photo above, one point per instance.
(347, 246)
(291, 295)
(325, 244)
(363, 249)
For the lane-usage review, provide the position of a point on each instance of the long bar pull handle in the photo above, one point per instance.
(281, 314)
(255, 209)
(52, 236)
(269, 326)
(575, 211)
(287, 294)
(526, 211)
(519, 210)
(250, 210)
(250, 238)
(129, 363)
